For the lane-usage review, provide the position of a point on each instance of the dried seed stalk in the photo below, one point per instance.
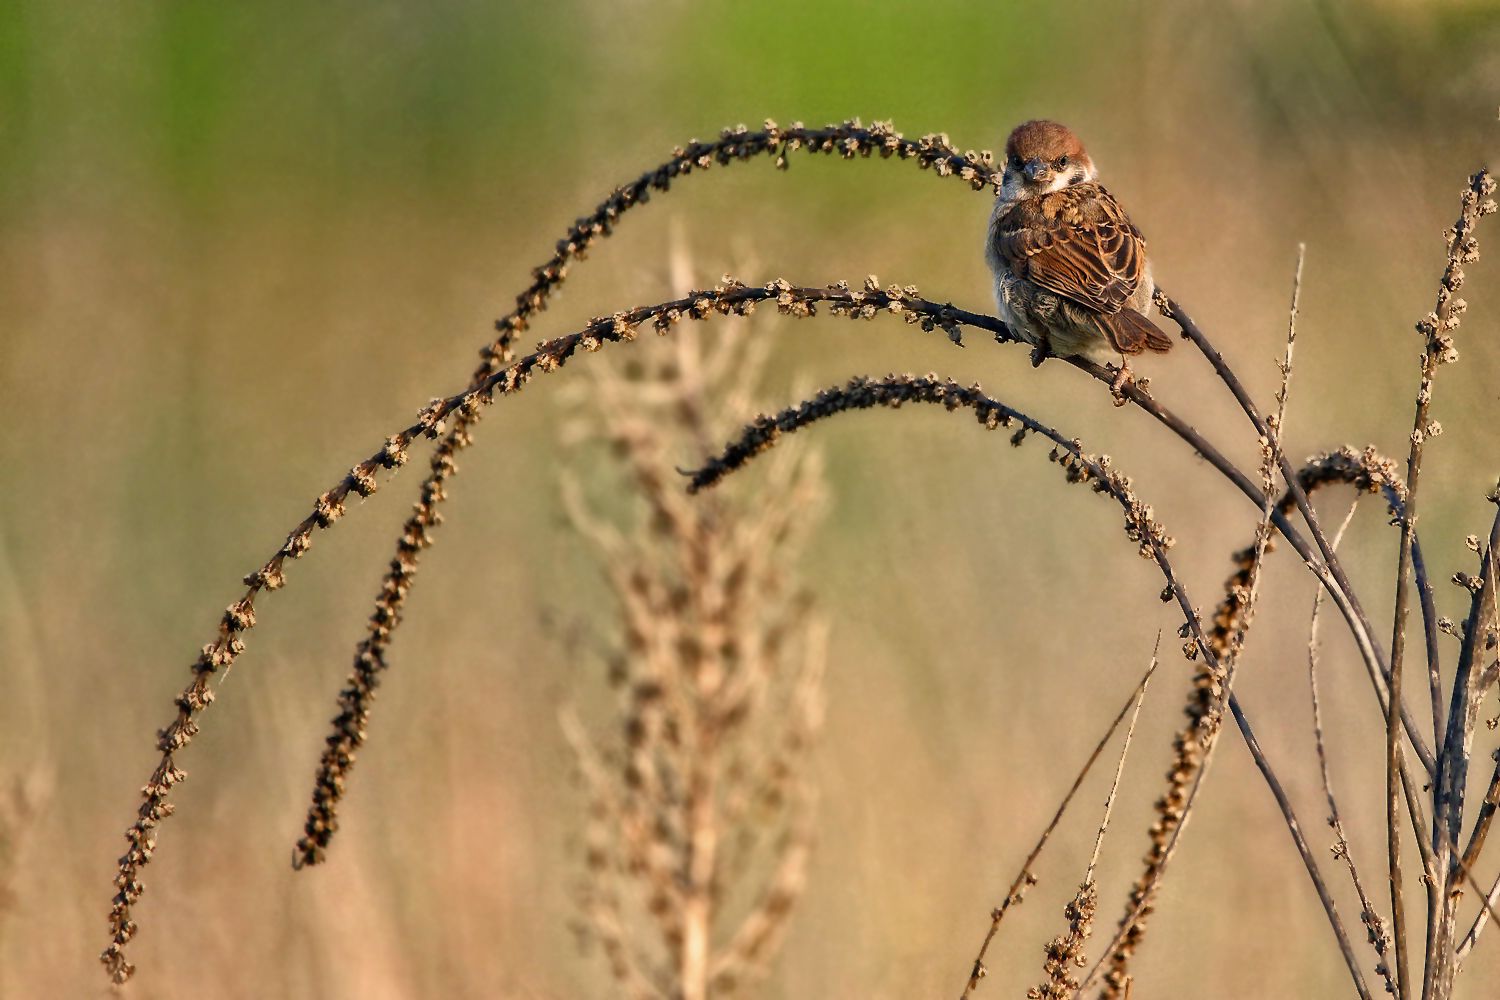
(1141, 527)
(728, 298)
(848, 140)
(701, 801)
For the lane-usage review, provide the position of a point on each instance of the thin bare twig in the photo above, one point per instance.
(1379, 936)
(1490, 900)
(1065, 952)
(1024, 878)
(1478, 631)
(1114, 785)
(1328, 571)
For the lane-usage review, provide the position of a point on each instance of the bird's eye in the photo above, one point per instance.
(1062, 161)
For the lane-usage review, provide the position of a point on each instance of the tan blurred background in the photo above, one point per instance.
(239, 244)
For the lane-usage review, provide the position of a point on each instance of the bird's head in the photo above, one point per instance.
(1043, 156)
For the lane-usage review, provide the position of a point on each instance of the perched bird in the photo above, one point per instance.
(1071, 275)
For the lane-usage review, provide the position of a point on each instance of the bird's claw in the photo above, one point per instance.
(1123, 377)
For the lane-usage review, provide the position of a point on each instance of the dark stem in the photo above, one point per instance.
(894, 391)
(1453, 771)
(1336, 583)
(1295, 828)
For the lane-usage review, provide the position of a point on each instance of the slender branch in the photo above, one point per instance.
(1489, 901)
(1379, 936)
(1065, 952)
(1491, 801)
(1114, 785)
(1328, 571)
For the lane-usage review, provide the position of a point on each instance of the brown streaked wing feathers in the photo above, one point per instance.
(1077, 243)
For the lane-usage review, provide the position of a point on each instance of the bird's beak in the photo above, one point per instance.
(1037, 172)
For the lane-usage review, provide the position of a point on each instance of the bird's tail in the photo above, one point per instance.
(1129, 332)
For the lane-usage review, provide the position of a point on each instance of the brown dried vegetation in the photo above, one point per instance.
(710, 626)
(700, 800)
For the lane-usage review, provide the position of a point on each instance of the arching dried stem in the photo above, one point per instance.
(848, 140)
(728, 298)
(896, 390)
(1368, 472)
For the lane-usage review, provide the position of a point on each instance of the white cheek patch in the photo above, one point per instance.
(1068, 178)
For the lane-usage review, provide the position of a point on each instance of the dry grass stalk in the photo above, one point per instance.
(1438, 348)
(355, 700)
(1450, 766)
(729, 298)
(1378, 934)
(1369, 473)
(1140, 525)
(1211, 688)
(1025, 879)
(700, 806)
(848, 140)
(1065, 952)
(1320, 558)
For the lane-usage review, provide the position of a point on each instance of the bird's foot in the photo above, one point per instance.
(1041, 352)
(1123, 377)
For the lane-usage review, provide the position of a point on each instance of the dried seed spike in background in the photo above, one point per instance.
(689, 785)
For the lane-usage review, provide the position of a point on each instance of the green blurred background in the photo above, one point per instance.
(239, 244)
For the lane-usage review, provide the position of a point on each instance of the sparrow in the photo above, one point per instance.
(1071, 274)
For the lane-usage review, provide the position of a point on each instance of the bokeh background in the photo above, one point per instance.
(239, 244)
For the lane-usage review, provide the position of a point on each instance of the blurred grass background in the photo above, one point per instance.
(240, 243)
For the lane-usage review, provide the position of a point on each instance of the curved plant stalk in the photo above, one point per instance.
(1211, 682)
(1368, 472)
(1323, 563)
(847, 140)
(1141, 527)
(1379, 935)
(729, 298)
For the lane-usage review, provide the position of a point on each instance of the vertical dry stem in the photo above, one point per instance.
(1438, 348)
(700, 807)
(1025, 879)
(1379, 936)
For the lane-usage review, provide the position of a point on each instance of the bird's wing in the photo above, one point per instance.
(1077, 243)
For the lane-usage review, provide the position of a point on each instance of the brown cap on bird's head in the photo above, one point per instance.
(1043, 140)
